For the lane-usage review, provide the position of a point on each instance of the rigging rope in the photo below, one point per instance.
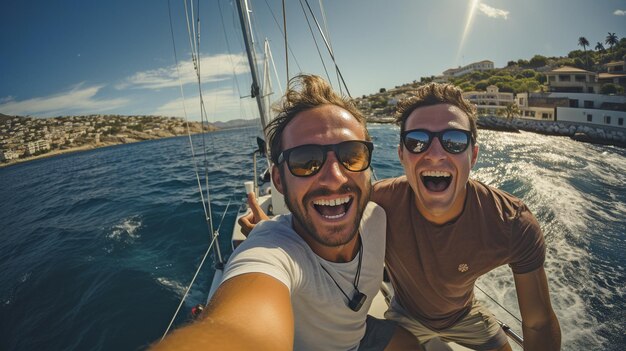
(286, 54)
(295, 58)
(207, 209)
(182, 93)
(203, 114)
(190, 285)
(330, 51)
(319, 53)
(230, 53)
(206, 254)
(330, 41)
(497, 303)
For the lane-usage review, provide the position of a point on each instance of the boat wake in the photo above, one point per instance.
(551, 175)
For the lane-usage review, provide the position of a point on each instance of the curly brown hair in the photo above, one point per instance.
(433, 94)
(304, 93)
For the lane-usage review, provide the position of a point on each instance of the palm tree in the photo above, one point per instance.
(599, 46)
(600, 49)
(510, 111)
(611, 40)
(582, 41)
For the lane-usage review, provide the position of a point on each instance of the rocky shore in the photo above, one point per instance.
(579, 132)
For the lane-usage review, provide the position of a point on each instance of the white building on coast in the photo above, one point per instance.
(490, 102)
(596, 109)
(574, 96)
(37, 146)
(452, 73)
(483, 65)
(572, 80)
(6, 155)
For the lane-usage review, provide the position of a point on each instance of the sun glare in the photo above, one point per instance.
(468, 24)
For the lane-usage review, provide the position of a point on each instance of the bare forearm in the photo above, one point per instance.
(248, 312)
(543, 338)
(208, 334)
(194, 336)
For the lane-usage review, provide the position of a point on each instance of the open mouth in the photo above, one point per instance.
(333, 209)
(436, 181)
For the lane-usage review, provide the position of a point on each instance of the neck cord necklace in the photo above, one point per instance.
(356, 302)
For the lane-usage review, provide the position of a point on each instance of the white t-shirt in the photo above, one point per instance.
(322, 318)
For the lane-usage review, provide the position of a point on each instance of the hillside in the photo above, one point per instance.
(523, 75)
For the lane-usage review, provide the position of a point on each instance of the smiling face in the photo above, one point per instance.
(438, 178)
(327, 207)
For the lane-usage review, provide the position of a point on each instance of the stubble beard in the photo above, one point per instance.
(306, 223)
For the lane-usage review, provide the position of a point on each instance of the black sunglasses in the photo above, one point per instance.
(307, 160)
(453, 141)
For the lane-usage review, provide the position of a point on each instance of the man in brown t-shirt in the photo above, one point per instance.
(444, 231)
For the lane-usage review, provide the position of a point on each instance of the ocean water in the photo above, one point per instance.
(97, 248)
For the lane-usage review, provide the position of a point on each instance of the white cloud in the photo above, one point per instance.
(620, 12)
(220, 104)
(213, 68)
(6, 99)
(78, 100)
(493, 12)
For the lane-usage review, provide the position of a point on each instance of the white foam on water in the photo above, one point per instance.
(551, 192)
(173, 285)
(546, 174)
(127, 230)
(568, 264)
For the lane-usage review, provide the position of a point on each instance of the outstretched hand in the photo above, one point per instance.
(250, 220)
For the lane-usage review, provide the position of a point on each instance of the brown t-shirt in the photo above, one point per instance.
(433, 267)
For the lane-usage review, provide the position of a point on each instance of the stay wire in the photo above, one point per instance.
(319, 53)
(295, 58)
(330, 41)
(497, 303)
(214, 239)
(203, 115)
(332, 55)
(206, 254)
(182, 93)
(230, 52)
(286, 53)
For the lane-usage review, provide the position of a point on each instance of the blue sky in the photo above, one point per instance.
(116, 57)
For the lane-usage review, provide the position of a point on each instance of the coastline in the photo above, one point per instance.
(578, 132)
(110, 141)
(58, 152)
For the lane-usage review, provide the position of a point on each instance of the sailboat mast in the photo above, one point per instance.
(242, 8)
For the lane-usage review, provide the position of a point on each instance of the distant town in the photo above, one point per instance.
(580, 96)
(23, 138)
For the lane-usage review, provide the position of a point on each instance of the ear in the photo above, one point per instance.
(400, 152)
(276, 179)
(474, 155)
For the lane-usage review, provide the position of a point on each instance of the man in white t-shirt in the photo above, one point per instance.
(305, 281)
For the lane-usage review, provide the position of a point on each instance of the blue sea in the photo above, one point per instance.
(97, 247)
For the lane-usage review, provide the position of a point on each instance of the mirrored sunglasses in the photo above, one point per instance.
(453, 141)
(307, 160)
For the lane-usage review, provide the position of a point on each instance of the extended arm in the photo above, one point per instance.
(248, 312)
(539, 324)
